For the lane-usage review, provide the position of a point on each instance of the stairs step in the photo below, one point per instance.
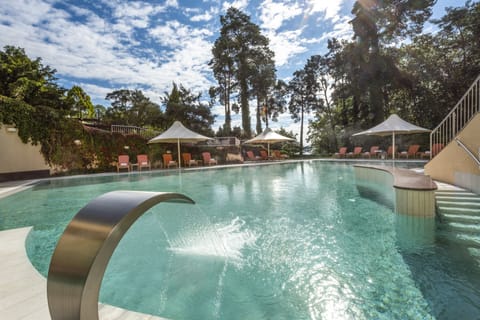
(457, 204)
(463, 227)
(457, 210)
(469, 239)
(475, 252)
(456, 193)
(460, 218)
(459, 199)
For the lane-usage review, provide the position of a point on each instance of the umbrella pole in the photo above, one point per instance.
(393, 146)
(179, 158)
(268, 149)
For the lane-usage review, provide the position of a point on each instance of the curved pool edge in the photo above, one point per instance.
(414, 193)
(24, 288)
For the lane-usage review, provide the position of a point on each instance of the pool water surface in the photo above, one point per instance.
(287, 241)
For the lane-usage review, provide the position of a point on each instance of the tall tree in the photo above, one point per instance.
(224, 71)
(276, 102)
(380, 22)
(262, 80)
(183, 105)
(303, 97)
(247, 50)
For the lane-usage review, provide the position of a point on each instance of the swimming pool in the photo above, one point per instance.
(288, 241)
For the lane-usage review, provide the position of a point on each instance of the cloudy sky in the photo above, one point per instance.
(105, 45)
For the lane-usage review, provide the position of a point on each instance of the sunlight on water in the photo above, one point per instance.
(291, 241)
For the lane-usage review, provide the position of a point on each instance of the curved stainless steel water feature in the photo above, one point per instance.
(86, 246)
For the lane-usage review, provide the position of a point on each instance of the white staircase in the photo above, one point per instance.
(459, 215)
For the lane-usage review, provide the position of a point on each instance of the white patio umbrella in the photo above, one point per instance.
(268, 136)
(177, 133)
(393, 125)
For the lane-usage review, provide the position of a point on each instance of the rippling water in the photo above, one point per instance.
(289, 241)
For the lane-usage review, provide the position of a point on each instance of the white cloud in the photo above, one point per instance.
(203, 16)
(342, 29)
(175, 34)
(94, 91)
(286, 45)
(239, 4)
(331, 8)
(274, 14)
(106, 51)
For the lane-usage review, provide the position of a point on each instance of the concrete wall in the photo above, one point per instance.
(453, 165)
(18, 159)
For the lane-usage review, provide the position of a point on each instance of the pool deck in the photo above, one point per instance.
(23, 289)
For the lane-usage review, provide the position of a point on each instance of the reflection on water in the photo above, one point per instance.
(381, 194)
(293, 241)
(414, 233)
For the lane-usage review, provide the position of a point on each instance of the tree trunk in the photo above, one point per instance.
(301, 131)
(245, 108)
(259, 118)
(228, 117)
(266, 114)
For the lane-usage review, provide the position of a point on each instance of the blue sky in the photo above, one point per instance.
(105, 45)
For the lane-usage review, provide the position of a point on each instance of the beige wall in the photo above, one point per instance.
(453, 165)
(15, 156)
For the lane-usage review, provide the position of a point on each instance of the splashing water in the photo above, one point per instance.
(223, 241)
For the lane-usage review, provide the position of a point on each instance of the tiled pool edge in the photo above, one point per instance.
(23, 289)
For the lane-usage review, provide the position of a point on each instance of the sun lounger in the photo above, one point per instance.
(356, 152)
(142, 162)
(123, 162)
(372, 152)
(252, 157)
(168, 161)
(207, 159)
(342, 152)
(188, 161)
(411, 152)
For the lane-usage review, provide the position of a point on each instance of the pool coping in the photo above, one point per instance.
(406, 178)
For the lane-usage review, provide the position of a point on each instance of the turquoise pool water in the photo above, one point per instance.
(288, 241)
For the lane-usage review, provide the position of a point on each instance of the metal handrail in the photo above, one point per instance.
(86, 246)
(130, 130)
(458, 117)
(470, 153)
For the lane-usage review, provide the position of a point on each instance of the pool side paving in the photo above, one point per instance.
(23, 288)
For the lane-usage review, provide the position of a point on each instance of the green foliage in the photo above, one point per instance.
(132, 107)
(30, 99)
(86, 149)
(184, 106)
(421, 81)
(81, 103)
(289, 148)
